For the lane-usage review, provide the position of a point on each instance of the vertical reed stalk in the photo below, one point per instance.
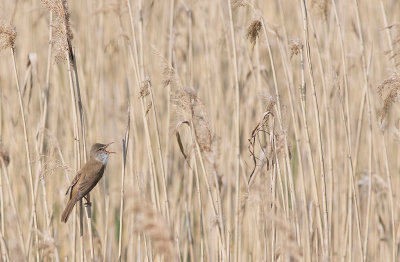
(237, 137)
(215, 207)
(14, 208)
(4, 250)
(295, 124)
(307, 137)
(125, 143)
(136, 67)
(170, 61)
(76, 146)
(28, 157)
(279, 117)
(164, 175)
(388, 35)
(326, 239)
(370, 137)
(391, 202)
(40, 141)
(2, 205)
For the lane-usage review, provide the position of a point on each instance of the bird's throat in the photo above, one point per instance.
(103, 158)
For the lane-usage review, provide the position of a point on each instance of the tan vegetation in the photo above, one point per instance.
(245, 130)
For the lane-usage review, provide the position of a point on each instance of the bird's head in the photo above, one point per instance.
(100, 152)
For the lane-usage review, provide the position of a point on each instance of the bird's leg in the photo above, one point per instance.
(88, 203)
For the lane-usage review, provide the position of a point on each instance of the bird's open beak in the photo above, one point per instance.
(108, 152)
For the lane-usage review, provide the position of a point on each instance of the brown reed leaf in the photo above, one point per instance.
(4, 155)
(178, 139)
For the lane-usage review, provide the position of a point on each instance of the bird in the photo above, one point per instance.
(87, 178)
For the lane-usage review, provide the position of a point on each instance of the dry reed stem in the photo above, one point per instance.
(388, 34)
(164, 175)
(237, 136)
(370, 138)
(28, 159)
(309, 149)
(189, 109)
(125, 142)
(278, 109)
(2, 199)
(170, 62)
(139, 77)
(326, 239)
(14, 208)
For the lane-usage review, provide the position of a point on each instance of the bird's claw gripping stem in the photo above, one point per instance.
(87, 203)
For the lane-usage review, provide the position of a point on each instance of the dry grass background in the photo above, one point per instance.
(257, 131)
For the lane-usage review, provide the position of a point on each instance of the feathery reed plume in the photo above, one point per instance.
(389, 91)
(62, 33)
(52, 165)
(189, 107)
(296, 45)
(144, 89)
(151, 223)
(125, 143)
(239, 3)
(169, 76)
(48, 246)
(7, 36)
(253, 31)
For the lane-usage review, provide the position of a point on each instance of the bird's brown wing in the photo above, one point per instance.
(92, 174)
(73, 183)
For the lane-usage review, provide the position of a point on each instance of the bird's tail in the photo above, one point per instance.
(67, 210)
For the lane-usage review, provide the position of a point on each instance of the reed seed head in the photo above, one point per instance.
(253, 30)
(62, 33)
(7, 36)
